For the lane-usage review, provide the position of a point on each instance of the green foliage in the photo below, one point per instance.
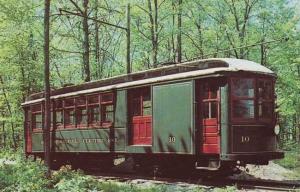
(292, 157)
(20, 174)
(291, 160)
(226, 189)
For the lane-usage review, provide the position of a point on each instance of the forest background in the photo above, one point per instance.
(264, 31)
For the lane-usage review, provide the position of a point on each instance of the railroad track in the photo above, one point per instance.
(205, 183)
(267, 184)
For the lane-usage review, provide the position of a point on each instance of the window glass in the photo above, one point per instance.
(243, 87)
(265, 110)
(37, 121)
(93, 99)
(141, 102)
(147, 107)
(210, 110)
(243, 109)
(108, 113)
(81, 116)
(136, 107)
(58, 104)
(69, 117)
(81, 101)
(265, 89)
(59, 118)
(108, 97)
(206, 92)
(146, 95)
(213, 93)
(69, 102)
(265, 99)
(36, 108)
(94, 114)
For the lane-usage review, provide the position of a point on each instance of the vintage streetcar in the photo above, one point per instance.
(211, 114)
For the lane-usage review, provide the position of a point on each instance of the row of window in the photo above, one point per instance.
(92, 110)
(251, 98)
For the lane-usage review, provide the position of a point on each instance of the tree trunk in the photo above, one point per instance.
(153, 28)
(179, 52)
(4, 134)
(86, 46)
(128, 60)
(47, 115)
(173, 38)
(97, 44)
(10, 113)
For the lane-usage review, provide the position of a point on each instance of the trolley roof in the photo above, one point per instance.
(190, 69)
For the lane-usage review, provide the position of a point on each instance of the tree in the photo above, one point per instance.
(47, 112)
(86, 45)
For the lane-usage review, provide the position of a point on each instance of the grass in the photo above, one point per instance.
(28, 175)
(291, 160)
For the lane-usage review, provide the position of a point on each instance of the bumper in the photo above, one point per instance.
(252, 157)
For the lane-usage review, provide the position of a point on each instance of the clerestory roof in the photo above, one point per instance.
(190, 69)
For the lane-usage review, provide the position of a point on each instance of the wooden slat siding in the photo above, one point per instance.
(142, 130)
(211, 138)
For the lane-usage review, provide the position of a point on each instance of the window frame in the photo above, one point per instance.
(255, 100)
(209, 99)
(139, 94)
(58, 109)
(79, 107)
(66, 108)
(34, 113)
(103, 112)
(271, 100)
(92, 124)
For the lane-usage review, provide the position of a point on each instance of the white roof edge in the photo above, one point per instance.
(233, 65)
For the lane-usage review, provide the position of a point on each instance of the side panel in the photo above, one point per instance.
(252, 138)
(172, 118)
(91, 139)
(224, 121)
(37, 142)
(120, 109)
(87, 140)
(120, 122)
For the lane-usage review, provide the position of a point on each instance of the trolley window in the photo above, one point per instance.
(81, 110)
(37, 118)
(141, 102)
(58, 113)
(69, 112)
(93, 110)
(243, 98)
(210, 100)
(107, 109)
(252, 98)
(265, 99)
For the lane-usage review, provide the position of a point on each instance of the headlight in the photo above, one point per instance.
(276, 129)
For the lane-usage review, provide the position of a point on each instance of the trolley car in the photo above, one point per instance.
(204, 114)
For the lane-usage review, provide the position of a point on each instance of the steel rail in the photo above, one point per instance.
(206, 183)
